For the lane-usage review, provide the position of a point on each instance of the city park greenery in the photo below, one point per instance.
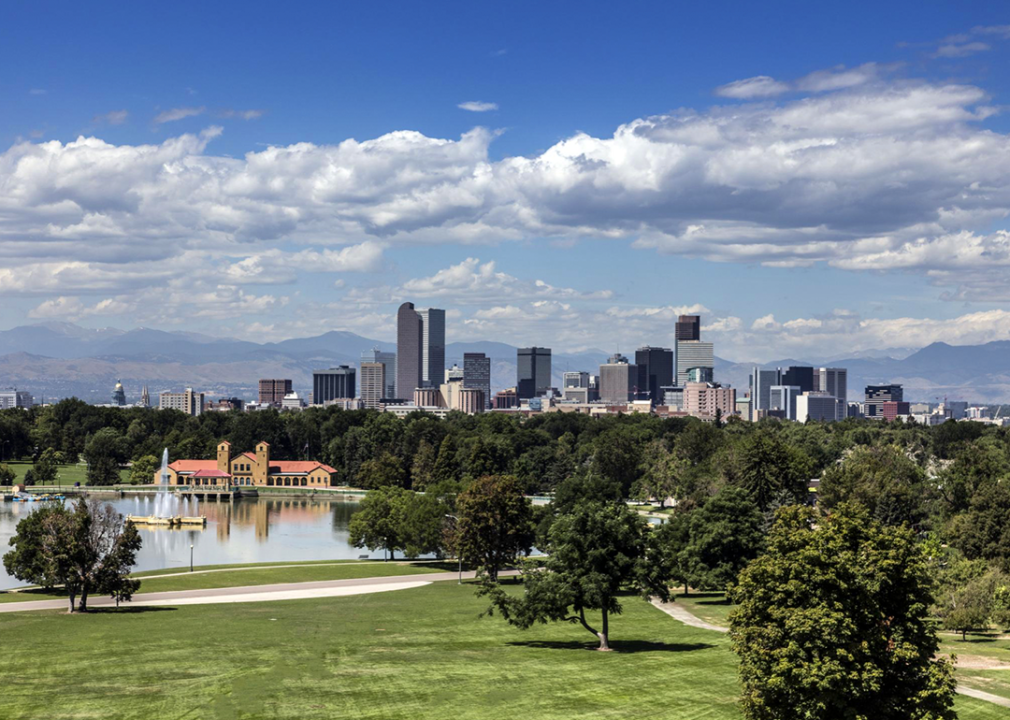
(933, 500)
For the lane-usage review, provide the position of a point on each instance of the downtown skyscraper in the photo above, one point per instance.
(420, 349)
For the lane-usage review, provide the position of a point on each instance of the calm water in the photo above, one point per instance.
(243, 531)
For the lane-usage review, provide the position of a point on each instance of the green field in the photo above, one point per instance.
(419, 653)
(67, 474)
(239, 576)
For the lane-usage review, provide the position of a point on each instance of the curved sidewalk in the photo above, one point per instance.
(253, 593)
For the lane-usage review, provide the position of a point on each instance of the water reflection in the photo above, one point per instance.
(242, 531)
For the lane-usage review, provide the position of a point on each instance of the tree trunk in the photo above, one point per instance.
(685, 588)
(72, 598)
(964, 636)
(83, 605)
(605, 633)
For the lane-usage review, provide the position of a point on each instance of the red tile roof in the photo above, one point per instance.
(298, 466)
(193, 465)
(215, 473)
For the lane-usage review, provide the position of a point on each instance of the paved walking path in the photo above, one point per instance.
(679, 612)
(254, 593)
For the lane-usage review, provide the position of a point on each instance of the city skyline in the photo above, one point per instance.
(540, 213)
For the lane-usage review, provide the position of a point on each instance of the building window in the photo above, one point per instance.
(287, 482)
(304, 482)
(270, 481)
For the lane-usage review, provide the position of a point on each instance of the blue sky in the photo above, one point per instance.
(813, 179)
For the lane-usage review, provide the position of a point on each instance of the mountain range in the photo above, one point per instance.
(54, 360)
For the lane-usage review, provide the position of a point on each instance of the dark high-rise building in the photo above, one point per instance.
(801, 377)
(409, 356)
(533, 371)
(877, 395)
(689, 327)
(333, 384)
(618, 380)
(432, 347)
(272, 391)
(655, 370)
(477, 374)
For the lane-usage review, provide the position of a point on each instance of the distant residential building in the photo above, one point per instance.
(688, 327)
(920, 408)
(409, 354)
(344, 403)
(855, 410)
(877, 395)
(955, 409)
(693, 354)
(187, 401)
(292, 401)
(743, 407)
(618, 380)
(783, 399)
(533, 371)
(456, 396)
(388, 362)
(816, 406)
(373, 384)
(335, 383)
(575, 379)
(272, 391)
(477, 374)
(707, 399)
(14, 398)
(576, 394)
(432, 346)
(505, 399)
(118, 394)
(893, 409)
(655, 370)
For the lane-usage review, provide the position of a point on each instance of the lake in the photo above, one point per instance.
(247, 530)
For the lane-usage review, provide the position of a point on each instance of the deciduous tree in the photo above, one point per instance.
(596, 551)
(495, 523)
(833, 623)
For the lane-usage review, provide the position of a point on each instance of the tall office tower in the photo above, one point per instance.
(533, 371)
(877, 395)
(575, 379)
(689, 327)
(834, 382)
(388, 360)
(655, 370)
(432, 346)
(761, 382)
(477, 374)
(333, 384)
(618, 380)
(373, 384)
(408, 351)
(817, 406)
(693, 354)
(453, 374)
(783, 398)
(272, 391)
(801, 377)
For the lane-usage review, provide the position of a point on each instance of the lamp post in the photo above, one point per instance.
(191, 557)
(459, 556)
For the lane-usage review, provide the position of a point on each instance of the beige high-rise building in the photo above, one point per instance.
(189, 402)
(704, 399)
(373, 384)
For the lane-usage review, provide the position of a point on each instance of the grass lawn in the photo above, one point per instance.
(709, 606)
(294, 572)
(68, 474)
(983, 661)
(419, 653)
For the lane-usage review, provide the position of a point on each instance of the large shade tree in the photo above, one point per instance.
(597, 551)
(834, 623)
(495, 523)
